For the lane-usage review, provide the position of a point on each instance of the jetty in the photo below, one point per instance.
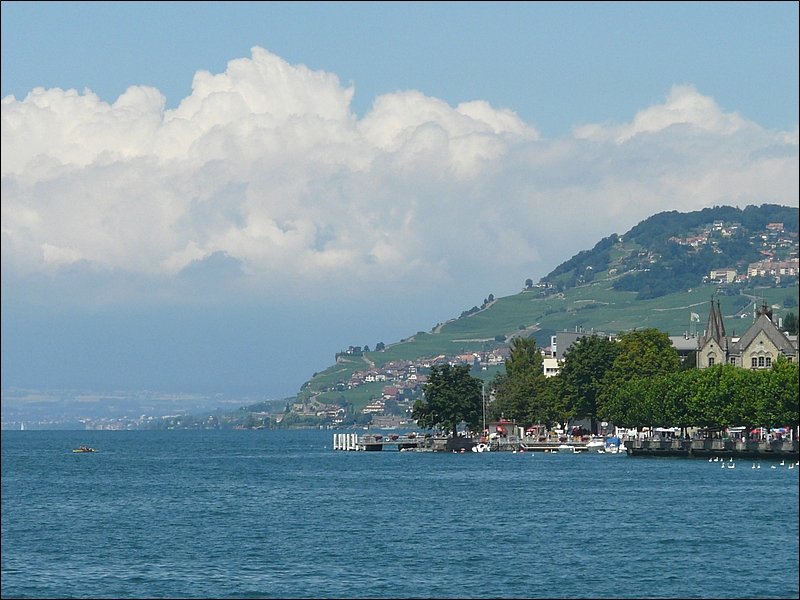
(414, 442)
(375, 442)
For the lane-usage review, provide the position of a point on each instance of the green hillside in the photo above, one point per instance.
(586, 292)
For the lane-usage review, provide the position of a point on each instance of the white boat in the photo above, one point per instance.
(596, 444)
(482, 447)
(614, 445)
(566, 448)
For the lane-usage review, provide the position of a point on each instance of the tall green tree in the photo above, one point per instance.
(641, 354)
(778, 393)
(549, 407)
(586, 363)
(525, 357)
(673, 392)
(708, 397)
(635, 403)
(517, 389)
(451, 396)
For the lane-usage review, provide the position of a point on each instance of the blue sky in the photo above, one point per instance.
(217, 197)
(555, 64)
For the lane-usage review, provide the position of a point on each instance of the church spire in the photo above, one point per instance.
(715, 330)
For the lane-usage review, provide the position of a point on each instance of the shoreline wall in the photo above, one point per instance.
(775, 449)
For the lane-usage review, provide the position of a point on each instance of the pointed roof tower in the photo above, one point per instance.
(715, 329)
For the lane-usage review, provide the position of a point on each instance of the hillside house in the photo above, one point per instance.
(723, 275)
(768, 268)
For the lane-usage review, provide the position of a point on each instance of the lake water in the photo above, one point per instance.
(279, 514)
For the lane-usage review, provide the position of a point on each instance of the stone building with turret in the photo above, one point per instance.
(758, 348)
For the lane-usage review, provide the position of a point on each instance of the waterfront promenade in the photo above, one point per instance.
(784, 449)
(372, 442)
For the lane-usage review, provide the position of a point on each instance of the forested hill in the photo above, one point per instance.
(672, 251)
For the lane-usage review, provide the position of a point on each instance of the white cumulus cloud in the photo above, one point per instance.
(265, 178)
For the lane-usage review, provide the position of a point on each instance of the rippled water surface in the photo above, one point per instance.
(279, 514)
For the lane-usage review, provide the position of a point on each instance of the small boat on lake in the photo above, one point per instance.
(84, 449)
(614, 445)
(596, 444)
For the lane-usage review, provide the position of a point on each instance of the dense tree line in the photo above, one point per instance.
(635, 381)
(720, 396)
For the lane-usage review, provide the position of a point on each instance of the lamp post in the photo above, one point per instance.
(483, 403)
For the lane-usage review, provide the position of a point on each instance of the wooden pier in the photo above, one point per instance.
(374, 442)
